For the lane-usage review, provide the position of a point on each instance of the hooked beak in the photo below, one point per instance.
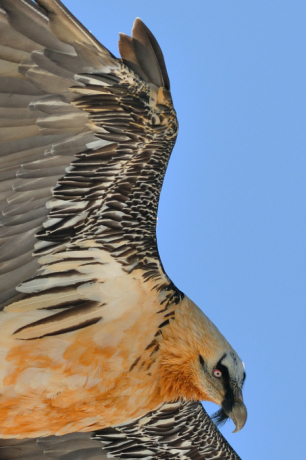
(234, 408)
(238, 415)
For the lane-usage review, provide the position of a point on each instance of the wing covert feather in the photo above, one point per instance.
(85, 143)
(175, 431)
(85, 139)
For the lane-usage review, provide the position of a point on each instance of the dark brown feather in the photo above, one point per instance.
(149, 54)
(128, 54)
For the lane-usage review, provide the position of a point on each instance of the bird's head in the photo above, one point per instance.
(197, 362)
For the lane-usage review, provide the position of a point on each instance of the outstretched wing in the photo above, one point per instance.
(180, 430)
(85, 142)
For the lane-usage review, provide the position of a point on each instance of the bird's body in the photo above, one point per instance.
(93, 333)
(106, 374)
(84, 380)
(91, 378)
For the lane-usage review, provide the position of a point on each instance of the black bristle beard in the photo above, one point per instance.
(220, 417)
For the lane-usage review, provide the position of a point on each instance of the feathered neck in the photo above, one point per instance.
(189, 335)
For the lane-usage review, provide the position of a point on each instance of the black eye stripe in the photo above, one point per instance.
(201, 360)
(225, 374)
(228, 402)
(229, 399)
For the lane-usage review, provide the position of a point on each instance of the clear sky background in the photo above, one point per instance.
(231, 227)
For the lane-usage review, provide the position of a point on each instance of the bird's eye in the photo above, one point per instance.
(217, 373)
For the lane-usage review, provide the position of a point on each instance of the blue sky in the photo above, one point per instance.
(231, 228)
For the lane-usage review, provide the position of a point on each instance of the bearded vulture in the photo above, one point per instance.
(102, 356)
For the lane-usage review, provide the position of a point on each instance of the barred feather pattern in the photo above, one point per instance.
(176, 431)
(118, 181)
(85, 139)
(91, 163)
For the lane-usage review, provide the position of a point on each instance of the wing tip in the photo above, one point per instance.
(148, 54)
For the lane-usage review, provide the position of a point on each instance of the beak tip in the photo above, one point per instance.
(239, 416)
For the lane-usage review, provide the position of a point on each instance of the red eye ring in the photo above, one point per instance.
(217, 373)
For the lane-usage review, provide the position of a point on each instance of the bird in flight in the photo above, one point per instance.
(101, 354)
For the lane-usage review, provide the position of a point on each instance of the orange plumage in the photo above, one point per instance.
(93, 333)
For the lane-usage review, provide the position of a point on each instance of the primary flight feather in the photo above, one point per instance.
(99, 349)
